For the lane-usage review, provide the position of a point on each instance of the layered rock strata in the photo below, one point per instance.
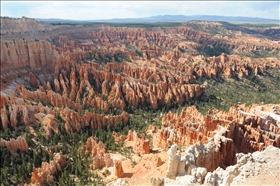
(24, 24)
(250, 169)
(257, 126)
(213, 160)
(250, 128)
(220, 150)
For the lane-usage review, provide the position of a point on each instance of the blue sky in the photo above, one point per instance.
(89, 10)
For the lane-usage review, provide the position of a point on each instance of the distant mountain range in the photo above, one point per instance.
(173, 18)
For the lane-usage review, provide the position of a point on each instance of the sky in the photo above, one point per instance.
(93, 10)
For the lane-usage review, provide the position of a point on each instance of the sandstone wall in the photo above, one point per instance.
(9, 25)
(250, 128)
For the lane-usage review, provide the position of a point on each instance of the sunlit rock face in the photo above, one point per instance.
(98, 152)
(48, 170)
(65, 79)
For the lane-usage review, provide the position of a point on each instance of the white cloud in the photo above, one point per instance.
(113, 9)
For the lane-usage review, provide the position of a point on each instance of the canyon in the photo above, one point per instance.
(120, 105)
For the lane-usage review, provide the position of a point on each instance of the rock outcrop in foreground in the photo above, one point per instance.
(251, 128)
(250, 169)
(215, 160)
(201, 158)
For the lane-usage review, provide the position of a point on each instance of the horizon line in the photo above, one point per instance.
(3, 16)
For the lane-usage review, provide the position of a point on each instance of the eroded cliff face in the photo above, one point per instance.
(118, 169)
(251, 128)
(24, 53)
(186, 128)
(195, 162)
(244, 169)
(212, 157)
(9, 25)
(258, 127)
(250, 169)
(25, 61)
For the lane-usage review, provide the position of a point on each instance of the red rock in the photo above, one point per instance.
(4, 118)
(159, 162)
(48, 170)
(49, 125)
(15, 144)
(142, 145)
(189, 127)
(33, 80)
(118, 169)
(3, 101)
(98, 152)
(186, 128)
(23, 25)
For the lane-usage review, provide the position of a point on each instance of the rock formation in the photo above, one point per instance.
(98, 152)
(185, 128)
(257, 127)
(182, 63)
(22, 59)
(154, 181)
(250, 169)
(93, 76)
(23, 24)
(73, 120)
(118, 169)
(18, 113)
(46, 173)
(159, 162)
(221, 128)
(15, 144)
(195, 164)
(173, 162)
(140, 145)
(248, 127)
(49, 125)
(220, 150)
(27, 54)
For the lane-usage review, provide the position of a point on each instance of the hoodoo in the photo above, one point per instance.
(139, 104)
